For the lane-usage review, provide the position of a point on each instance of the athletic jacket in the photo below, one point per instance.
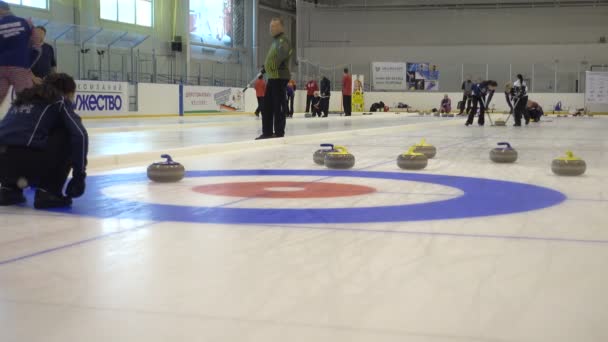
(325, 87)
(30, 125)
(482, 90)
(467, 87)
(260, 88)
(347, 85)
(311, 87)
(16, 41)
(278, 58)
(520, 89)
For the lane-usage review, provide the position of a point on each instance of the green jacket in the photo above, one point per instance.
(278, 58)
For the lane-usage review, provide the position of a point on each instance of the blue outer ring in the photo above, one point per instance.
(482, 197)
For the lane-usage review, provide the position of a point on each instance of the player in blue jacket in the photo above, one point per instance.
(482, 95)
(41, 140)
(17, 37)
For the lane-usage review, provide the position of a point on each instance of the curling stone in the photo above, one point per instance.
(500, 122)
(450, 115)
(428, 150)
(568, 165)
(506, 154)
(339, 159)
(167, 171)
(412, 160)
(319, 156)
(308, 115)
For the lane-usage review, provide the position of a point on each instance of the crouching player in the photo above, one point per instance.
(535, 111)
(41, 140)
(446, 104)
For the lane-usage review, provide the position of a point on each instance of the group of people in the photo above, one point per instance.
(42, 139)
(479, 95)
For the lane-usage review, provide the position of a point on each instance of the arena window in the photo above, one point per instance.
(137, 12)
(42, 4)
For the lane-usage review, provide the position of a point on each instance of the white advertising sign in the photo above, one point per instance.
(99, 97)
(389, 76)
(212, 99)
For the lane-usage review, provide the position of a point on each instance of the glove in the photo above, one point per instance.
(76, 186)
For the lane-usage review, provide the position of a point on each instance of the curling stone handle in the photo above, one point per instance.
(505, 144)
(331, 146)
(341, 149)
(168, 157)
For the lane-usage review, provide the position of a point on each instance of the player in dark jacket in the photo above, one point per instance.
(41, 140)
(17, 37)
(519, 92)
(482, 94)
(467, 96)
(325, 95)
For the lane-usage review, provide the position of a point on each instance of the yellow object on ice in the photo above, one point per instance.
(412, 151)
(569, 157)
(339, 150)
(422, 143)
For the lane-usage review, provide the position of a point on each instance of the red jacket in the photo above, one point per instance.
(260, 88)
(347, 85)
(311, 87)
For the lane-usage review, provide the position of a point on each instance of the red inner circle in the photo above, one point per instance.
(304, 189)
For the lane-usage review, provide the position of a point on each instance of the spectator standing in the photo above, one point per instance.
(347, 92)
(277, 71)
(260, 90)
(16, 40)
(325, 95)
(311, 88)
(46, 63)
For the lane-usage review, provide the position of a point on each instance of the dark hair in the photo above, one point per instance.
(520, 77)
(346, 70)
(54, 87)
(492, 83)
(4, 6)
(42, 28)
(260, 77)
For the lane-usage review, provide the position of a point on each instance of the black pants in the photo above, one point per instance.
(275, 103)
(325, 106)
(290, 99)
(46, 169)
(534, 114)
(309, 102)
(260, 105)
(520, 110)
(466, 99)
(348, 104)
(477, 101)
(508, 98)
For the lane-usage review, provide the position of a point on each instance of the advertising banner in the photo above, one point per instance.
(358, 93)
(98, 97)
(389, 76)
(422, 77)
(212, 99)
